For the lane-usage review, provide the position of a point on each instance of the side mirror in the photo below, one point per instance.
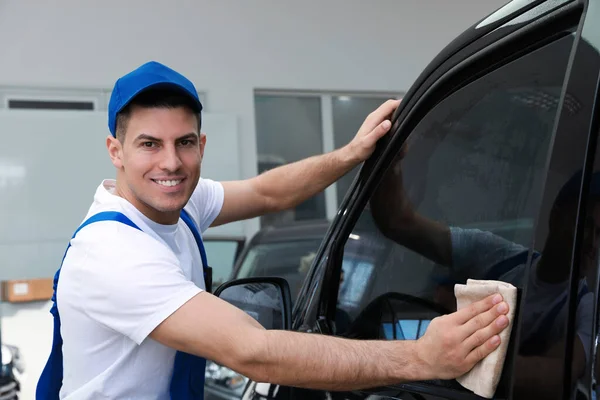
(267, 300)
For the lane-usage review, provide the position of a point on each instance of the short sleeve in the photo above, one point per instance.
(129, 282)
(206, 202)
(475, 252)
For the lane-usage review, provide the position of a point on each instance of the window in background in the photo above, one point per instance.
(288, 129)
(33, 104)
(291, 126)
(57, 99)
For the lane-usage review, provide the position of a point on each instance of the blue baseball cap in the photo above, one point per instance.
(150, 75)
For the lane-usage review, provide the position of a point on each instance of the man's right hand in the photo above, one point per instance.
(454, 343)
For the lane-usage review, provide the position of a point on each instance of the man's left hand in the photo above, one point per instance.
(373, 128)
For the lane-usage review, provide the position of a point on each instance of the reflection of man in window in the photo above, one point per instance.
(476, 254)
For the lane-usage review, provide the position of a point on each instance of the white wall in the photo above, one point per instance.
(46, 190)
(230, 47)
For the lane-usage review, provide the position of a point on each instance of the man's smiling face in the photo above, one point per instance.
(158, 161)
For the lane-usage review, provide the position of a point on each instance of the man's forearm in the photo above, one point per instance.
(414, 231)
(285, 187)
(311, 361)
(289, 185)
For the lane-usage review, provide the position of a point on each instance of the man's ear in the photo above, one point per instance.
(202, 143)
(115, 151)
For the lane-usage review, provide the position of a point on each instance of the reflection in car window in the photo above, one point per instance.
(290, 260)
(459, 201)
(351, 289)
(406, 329)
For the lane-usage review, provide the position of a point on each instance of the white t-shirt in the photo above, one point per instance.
(116, 285)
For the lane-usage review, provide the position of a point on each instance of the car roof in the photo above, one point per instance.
(481, 28)
(298, 230)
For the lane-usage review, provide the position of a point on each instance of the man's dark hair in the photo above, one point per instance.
(155, 98)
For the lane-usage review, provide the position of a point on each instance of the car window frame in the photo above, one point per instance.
(404, 121)
(429, 88)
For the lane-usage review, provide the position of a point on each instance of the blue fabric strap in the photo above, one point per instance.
(187, 382)
(190, 223)
(50, 382)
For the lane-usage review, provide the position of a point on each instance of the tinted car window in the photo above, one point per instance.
(461, 196)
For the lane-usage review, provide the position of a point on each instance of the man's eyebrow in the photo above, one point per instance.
(145, 136)
(191, 135)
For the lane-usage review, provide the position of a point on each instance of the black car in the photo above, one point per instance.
(286, 251)
(490, 171)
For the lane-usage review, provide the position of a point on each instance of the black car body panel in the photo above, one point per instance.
(564, 37)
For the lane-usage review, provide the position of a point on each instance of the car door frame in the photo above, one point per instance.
(432, 86)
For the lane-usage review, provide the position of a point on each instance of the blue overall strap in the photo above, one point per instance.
(50, 382)
(187, 382)
(190, 223)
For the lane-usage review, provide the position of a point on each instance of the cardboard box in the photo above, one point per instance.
(26, 290)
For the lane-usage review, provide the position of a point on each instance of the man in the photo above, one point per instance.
(477, 254)
(130, 294)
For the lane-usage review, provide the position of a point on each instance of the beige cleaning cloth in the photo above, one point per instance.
(484, 377)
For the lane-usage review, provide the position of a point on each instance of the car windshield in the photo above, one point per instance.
(290, 260)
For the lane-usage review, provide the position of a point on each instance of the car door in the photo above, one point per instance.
(481, 161)
(481, 149)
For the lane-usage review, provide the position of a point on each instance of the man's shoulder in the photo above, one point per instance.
(206, 202)
(112, 239)
(110, 254)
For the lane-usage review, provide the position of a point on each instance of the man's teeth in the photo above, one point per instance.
(168, 183)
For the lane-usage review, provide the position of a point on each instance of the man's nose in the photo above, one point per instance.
(170, 160)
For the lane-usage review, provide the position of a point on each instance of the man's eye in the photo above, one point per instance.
(148, 144)
(187, 142)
